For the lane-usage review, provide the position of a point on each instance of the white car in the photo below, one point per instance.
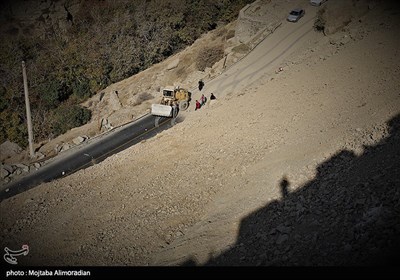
(317, 2)
(295, 15)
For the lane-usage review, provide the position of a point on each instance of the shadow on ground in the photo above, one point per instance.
(348, 215)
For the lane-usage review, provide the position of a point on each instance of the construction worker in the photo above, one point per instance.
(203, 100)
(201, 85)
(198, 105)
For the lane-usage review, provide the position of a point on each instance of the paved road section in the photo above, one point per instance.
(90, 154)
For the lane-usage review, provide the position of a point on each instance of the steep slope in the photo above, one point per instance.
(290, 129)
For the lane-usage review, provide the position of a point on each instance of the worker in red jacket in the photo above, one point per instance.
(198, 105)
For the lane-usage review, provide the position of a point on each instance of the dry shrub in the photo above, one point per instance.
(242, 48)
(208, 56)
(183, 69)
(141, 97)
(220, 31)
(320, 20)
(230, 34)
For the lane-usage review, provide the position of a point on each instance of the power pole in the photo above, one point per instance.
(28, 111)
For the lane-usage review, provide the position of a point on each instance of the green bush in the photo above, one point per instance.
(3, 99)
(52, 93)
(81, 89)
(66, 117)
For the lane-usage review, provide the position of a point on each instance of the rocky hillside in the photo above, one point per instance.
(73, 49)
(130, 98)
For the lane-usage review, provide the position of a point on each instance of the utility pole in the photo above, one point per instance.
(28, 111)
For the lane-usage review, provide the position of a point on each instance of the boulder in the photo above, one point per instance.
(9, 149)
(4, 172)
(78, 140)
(114, 102)
(105, 124)
(65, 147)
(173, 64)
(39, 155)
(22, 166)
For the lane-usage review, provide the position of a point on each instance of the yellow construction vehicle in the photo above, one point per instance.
(172, 99)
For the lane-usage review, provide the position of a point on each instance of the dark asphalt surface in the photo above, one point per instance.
(91, 154)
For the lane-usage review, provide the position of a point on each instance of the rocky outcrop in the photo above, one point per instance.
(114, 102)
(173, 64)
(9, 149)
(80, 139)
(337, 14)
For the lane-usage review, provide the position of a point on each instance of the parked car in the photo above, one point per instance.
(317, 2)
(295, 15)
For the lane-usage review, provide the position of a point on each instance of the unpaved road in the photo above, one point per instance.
(267, 56)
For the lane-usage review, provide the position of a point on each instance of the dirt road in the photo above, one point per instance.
(266, 57)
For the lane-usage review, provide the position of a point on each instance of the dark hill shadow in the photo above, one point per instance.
(349, 215)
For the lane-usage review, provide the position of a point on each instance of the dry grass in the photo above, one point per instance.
(230, 34)
(242, 48)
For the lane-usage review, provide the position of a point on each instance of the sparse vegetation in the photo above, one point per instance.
(208, 56)
(242, 48)
(230, 34)
(70, 58)
(319, 23)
